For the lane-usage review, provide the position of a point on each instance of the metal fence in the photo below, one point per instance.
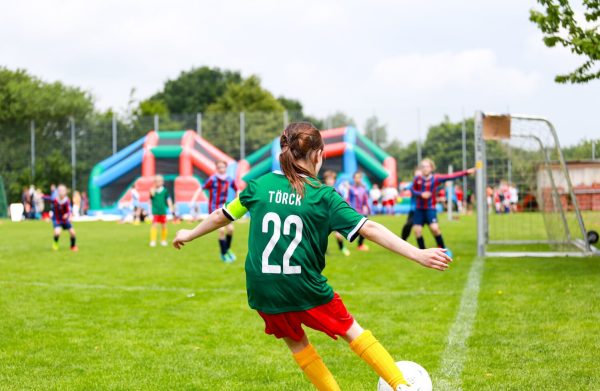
(50, 148)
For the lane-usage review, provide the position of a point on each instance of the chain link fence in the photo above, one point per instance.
(66, 150)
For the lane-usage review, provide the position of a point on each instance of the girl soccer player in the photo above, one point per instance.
(424, 190)
(358, 198)
(292, 215)
(61, 216)
(329, 177)
(218, 186)
(161, 200)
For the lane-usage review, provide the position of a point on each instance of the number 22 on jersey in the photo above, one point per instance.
(287, 226)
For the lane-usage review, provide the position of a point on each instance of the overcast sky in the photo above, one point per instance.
(383, 57)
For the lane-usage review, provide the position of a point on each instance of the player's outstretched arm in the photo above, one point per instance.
(215, 220)
(434, 258)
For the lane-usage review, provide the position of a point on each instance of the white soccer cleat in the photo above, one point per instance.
(164, 243)
(153, 244)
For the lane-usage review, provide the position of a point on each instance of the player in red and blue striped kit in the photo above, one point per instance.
(424, 189)
(218, 186)
(61, 216)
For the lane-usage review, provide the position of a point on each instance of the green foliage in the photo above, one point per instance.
(263, 115)
(582, 150)
(53, 168)
(338, 119)
(375, 131)
(292, 105)
(25, 98)
(561, 27)
(194, 90)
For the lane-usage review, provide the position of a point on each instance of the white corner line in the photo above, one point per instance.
(448, 377)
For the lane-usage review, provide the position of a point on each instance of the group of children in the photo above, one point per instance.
(293, 214)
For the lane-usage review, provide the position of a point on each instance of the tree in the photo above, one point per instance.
(263, 116)
(376, 131)
(293, 106)
(194, 90)
(582, 150)
(25, 98)
(338, 119)
(560, 26)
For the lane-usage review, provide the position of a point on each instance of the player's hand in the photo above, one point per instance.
(426, 195)
(471, 171)
(182, 236)
(434, 258)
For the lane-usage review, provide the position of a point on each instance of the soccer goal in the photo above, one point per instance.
(526, 205)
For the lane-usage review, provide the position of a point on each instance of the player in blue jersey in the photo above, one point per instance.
(358, 198)
(61, 216)
(329, 178)
(218, 186)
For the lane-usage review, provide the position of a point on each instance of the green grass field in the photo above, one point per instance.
(119, 315)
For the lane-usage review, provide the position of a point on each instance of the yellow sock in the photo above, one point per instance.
(153, 234)
(374, 354)
(315, 369)
(163, 234)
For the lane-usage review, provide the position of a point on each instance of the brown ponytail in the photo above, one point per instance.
(298, 141)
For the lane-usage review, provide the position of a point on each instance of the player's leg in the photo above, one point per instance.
(223, 246)
(228, 239)
(437, 234)
(342, 246)
(361, 242)
(311, 363)
(57, 231)
(163, 233)
(407, 226)
(418, 231)
(368, 348)
(73, 239)
(153, 234)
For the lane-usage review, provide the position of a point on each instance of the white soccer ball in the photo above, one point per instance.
(416, 376)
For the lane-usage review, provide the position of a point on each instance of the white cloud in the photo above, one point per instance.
(475, 70)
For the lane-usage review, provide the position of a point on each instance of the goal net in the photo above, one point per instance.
(525, 200)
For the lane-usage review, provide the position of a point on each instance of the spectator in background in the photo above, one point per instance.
(38, 201)
(458, 192)
(76, 203)
(514, 197)
(389, 197)
(469, 201)
(375, 195)
(85, 203)
(25, 200)
(490, 196)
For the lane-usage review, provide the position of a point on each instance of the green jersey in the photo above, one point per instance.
(159, 201)
(288, 240)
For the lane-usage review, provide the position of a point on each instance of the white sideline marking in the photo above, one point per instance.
(455, 353)
(157, 288)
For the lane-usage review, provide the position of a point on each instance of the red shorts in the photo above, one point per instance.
(388, 203)
(160, 219)
(332, 319)
(375, 202)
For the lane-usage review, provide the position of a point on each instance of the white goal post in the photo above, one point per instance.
(526, 205)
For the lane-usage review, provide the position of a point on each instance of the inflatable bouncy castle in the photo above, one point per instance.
(346, 151)
(184, 158)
